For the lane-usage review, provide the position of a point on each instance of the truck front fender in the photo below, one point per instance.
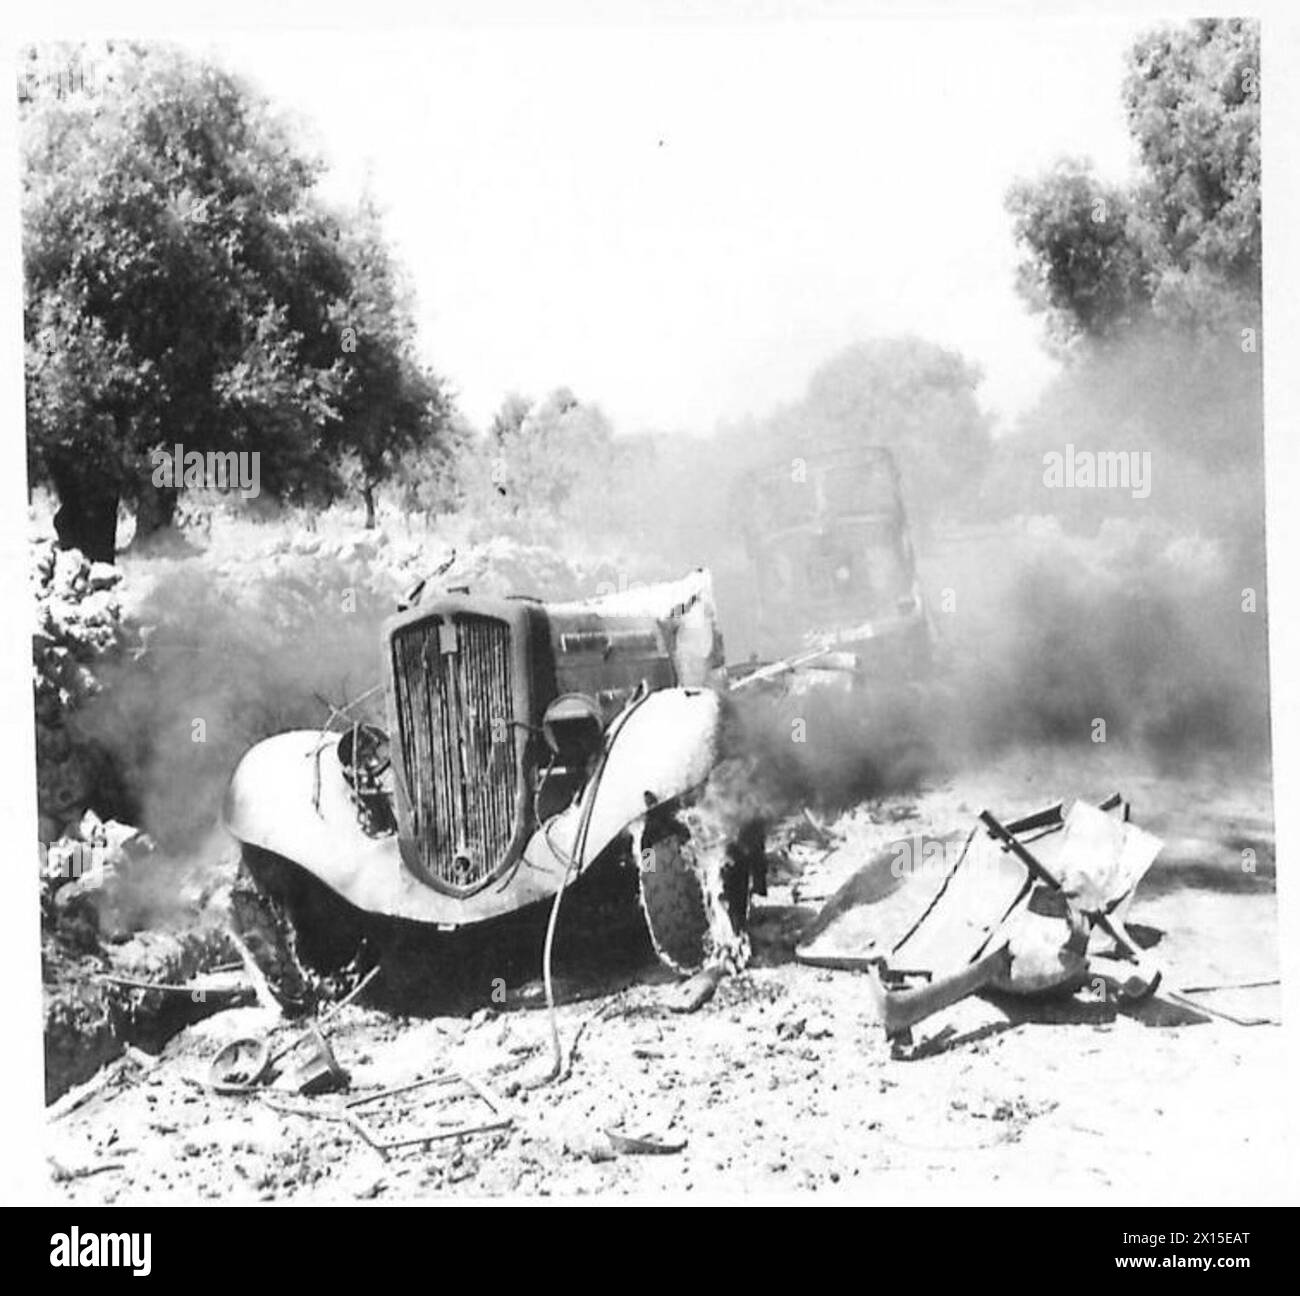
(289, 796)
(663, 748)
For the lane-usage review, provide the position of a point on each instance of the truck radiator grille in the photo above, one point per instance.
(454, 701)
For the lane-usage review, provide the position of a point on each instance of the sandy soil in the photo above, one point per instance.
(784, 1083)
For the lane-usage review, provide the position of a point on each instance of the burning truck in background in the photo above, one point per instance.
(833, 567)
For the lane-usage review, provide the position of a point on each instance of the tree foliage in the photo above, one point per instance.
(1192, 100)
(550, 464)
(1086, 268)
(914, 396)
(184, 284)
(388, 403)
(1154, 292)
(1182, 245)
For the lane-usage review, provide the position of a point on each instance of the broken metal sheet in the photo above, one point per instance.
(857, 926)
(968, 906)
(892, 904)
(915, 923)
(319, 1071)
(1102, 859)
(641, 1145)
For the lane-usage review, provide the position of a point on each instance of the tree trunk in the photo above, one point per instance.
(87, 514)
(154, 510)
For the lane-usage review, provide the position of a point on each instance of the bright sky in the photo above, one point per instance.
(681, 222)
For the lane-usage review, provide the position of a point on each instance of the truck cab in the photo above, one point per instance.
(832, 563)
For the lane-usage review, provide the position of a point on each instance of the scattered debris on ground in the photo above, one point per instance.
(173, 1074)
(1078, 1094)
(1000, 917)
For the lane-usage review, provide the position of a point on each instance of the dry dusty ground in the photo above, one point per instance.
(783, 1082)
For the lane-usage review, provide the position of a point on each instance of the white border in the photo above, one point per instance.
(23, 1178)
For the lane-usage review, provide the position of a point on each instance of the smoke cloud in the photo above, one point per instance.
(230, 660)
(1074, 615)
(1062, 616)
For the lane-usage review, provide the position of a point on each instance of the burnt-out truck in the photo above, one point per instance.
(527, 745)
(833, 571)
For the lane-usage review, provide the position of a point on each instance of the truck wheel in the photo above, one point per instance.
(695, 897)
(308, 943)
(672, 900)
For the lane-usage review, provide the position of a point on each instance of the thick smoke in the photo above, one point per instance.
(261, 635)
(1063, 614)
(230, 659)
(1055, 609)
(1143, 608)
(1136, 637)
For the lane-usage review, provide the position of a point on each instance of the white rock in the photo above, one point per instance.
(103, 576)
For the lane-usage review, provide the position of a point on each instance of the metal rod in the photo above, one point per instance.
(334, 1009)
(1230, 985)
(1019, 850)
(245, 987)
(780, 668)
(400, 1089)
(1218, 1012)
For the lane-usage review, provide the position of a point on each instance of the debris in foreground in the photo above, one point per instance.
(239, 1066)
(642, 1145)
(374, 1131)
(1003, 917)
